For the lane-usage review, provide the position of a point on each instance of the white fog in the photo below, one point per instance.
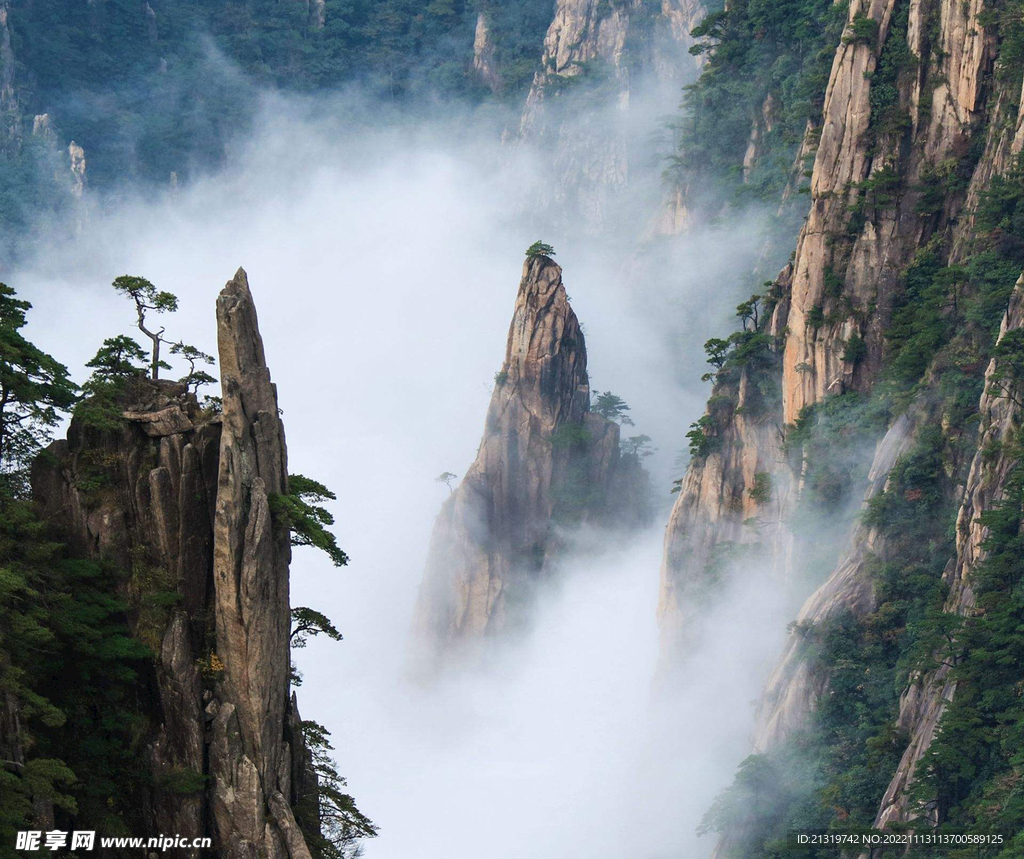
(384, 265)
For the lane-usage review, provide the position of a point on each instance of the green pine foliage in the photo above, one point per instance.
(69, 666)
(833, 774)
(301, 511)
(540, 249)
(756, 50)
(76, 683)
(34, 389)
(150, 94)
(342, 824)
(975, 765)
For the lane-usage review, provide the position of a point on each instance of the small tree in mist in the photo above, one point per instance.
(717, 351)
(539, 249)
(753, 804)
(638, 446)
(336, 824)
(612, 407)
(307, 623)
(748, 311)
(301, 512)
(149, 300)
(446, 477)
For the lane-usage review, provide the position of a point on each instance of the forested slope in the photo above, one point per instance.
(882, 364)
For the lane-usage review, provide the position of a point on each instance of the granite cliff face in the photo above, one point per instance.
(923, 702)
(604, 68)
(888, 188)
(546, 465)
(179, 497)
(854, 247)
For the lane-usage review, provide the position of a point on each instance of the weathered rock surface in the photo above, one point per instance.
(869, 263)
(544, 460)
(793, 688)
(250, 570)
(841, 286)
(625, 52)
(483, 53)
(717, 512)
(861, 267)
(180, 499)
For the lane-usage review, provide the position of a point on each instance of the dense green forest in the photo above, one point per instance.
(159, 89)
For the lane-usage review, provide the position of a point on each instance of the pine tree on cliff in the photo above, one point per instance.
(34, 388)
(67, 662)
(148, 299)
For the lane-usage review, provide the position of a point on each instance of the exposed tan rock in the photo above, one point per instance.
(813, 364)
(950, 99)
(483, 54)
(250, 571)
(76, 163)
(761, 126)
(150, 512)
(589, 140)
(182, 500)
(167, 421)
(715, 512)
(42, 126)
(496, 535)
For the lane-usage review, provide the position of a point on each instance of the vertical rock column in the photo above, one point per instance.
(249, 757)
(546, 461)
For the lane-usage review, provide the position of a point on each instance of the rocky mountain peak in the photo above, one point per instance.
(181, 497)
(545, 368)
(546, 463)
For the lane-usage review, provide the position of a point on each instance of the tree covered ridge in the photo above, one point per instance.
(157, 90)
(767, 66)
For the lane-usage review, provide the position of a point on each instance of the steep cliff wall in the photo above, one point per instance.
(179, 497)
(730, 506)
(793, 687)
(605, 68)
(923, 702)
(865, 221)
(868, 219)
(546, 464)
(250, 750)
(141, 496)
(918, 137)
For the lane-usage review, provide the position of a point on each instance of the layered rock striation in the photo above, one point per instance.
(180, 497)
(546, 465)
(918, 122)
(605, 69)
